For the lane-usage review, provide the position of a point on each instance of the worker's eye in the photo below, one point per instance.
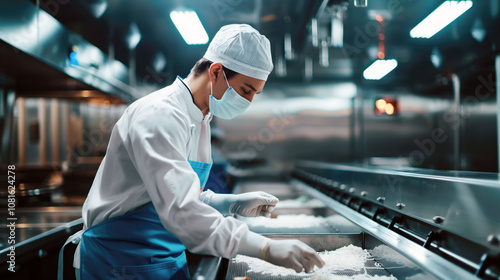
(246, 91)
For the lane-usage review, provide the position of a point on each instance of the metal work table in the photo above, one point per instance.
(32, 222)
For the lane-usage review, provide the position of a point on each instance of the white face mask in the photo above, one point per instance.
(230, 105)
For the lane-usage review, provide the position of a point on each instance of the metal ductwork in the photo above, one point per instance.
(360, 3)
(44, 53)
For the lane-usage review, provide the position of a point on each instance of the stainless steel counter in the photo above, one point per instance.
(39, 235)
(32, 222)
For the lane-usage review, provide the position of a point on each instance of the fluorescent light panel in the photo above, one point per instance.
(190, 27)
(439, 18)
(379, 69)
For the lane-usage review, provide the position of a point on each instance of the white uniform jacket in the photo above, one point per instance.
(147, 160)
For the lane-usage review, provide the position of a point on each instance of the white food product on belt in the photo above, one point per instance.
(350, 257)
(300, 202)
(355, 277)
(287, 221)
(386, 253)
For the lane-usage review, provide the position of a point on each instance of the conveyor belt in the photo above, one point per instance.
(447, 217)
(341, 232)
(372, 267)
(359, 227)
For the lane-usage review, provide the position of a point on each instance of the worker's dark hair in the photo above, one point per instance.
(203, 64)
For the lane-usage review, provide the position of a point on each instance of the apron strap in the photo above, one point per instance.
(75, 239)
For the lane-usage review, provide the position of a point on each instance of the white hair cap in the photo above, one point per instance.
(241, 48)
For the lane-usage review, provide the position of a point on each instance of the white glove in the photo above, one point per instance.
(288, 253)
(292, 254)
(252, 204)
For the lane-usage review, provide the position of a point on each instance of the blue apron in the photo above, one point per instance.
(136, 245)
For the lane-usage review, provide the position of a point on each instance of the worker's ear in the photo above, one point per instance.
(215, 71)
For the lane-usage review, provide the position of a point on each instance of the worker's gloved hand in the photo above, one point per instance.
(288, 253)
(292, 254)
(251, 204)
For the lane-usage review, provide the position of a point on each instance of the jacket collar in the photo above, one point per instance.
(187, 98)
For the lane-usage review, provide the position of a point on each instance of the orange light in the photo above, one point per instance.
(379, 18)
(389, 109)
(267, 18)
(381, 55)
(380, 104)
(381, 36)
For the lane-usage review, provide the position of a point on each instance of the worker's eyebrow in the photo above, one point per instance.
(250, 86)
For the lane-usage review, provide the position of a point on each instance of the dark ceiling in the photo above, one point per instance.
(460, 51)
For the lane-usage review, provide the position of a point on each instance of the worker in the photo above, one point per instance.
(147, 204)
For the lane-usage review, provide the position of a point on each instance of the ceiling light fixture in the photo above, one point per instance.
(440, 18)
(379, 69)
(189, 25)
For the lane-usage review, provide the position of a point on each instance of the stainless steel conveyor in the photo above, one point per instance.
(444, 223)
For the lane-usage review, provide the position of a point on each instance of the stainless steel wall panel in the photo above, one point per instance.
(325, 122)
(289, 122)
